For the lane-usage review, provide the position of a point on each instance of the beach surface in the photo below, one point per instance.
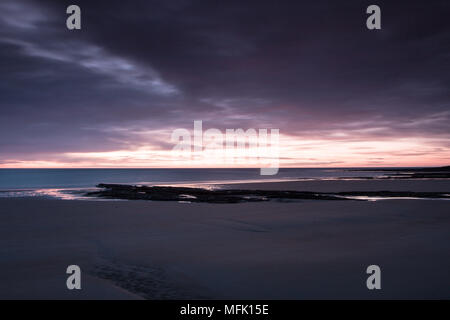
(340, 185)
(270, 250)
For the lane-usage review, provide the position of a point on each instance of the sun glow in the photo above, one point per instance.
(293, 152)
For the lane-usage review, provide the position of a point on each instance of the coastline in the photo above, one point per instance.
(303, 249)
(323, 185)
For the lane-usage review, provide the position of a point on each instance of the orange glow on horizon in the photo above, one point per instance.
(294, 152)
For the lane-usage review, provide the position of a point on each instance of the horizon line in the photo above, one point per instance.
(178, 168)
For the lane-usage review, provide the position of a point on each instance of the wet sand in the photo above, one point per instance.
(418, 185)
(170, 250)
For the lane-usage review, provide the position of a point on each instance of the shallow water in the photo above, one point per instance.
(72, 184)
(14, 179)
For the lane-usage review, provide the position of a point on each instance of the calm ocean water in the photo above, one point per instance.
(16, 179)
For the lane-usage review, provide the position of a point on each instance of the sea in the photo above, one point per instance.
(72, 183)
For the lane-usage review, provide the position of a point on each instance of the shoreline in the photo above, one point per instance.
(326, 186)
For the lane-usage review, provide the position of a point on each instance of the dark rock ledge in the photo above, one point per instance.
(411, 173)
(130, 192)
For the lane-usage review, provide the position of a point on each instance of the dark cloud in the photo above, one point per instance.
(310, 68)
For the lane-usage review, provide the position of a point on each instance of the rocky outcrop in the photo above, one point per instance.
(130, 192)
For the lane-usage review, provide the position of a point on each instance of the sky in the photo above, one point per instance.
(112, 93)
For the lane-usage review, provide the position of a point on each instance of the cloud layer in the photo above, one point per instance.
(340, 94)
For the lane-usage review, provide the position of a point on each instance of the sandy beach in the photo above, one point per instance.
(170, 250)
